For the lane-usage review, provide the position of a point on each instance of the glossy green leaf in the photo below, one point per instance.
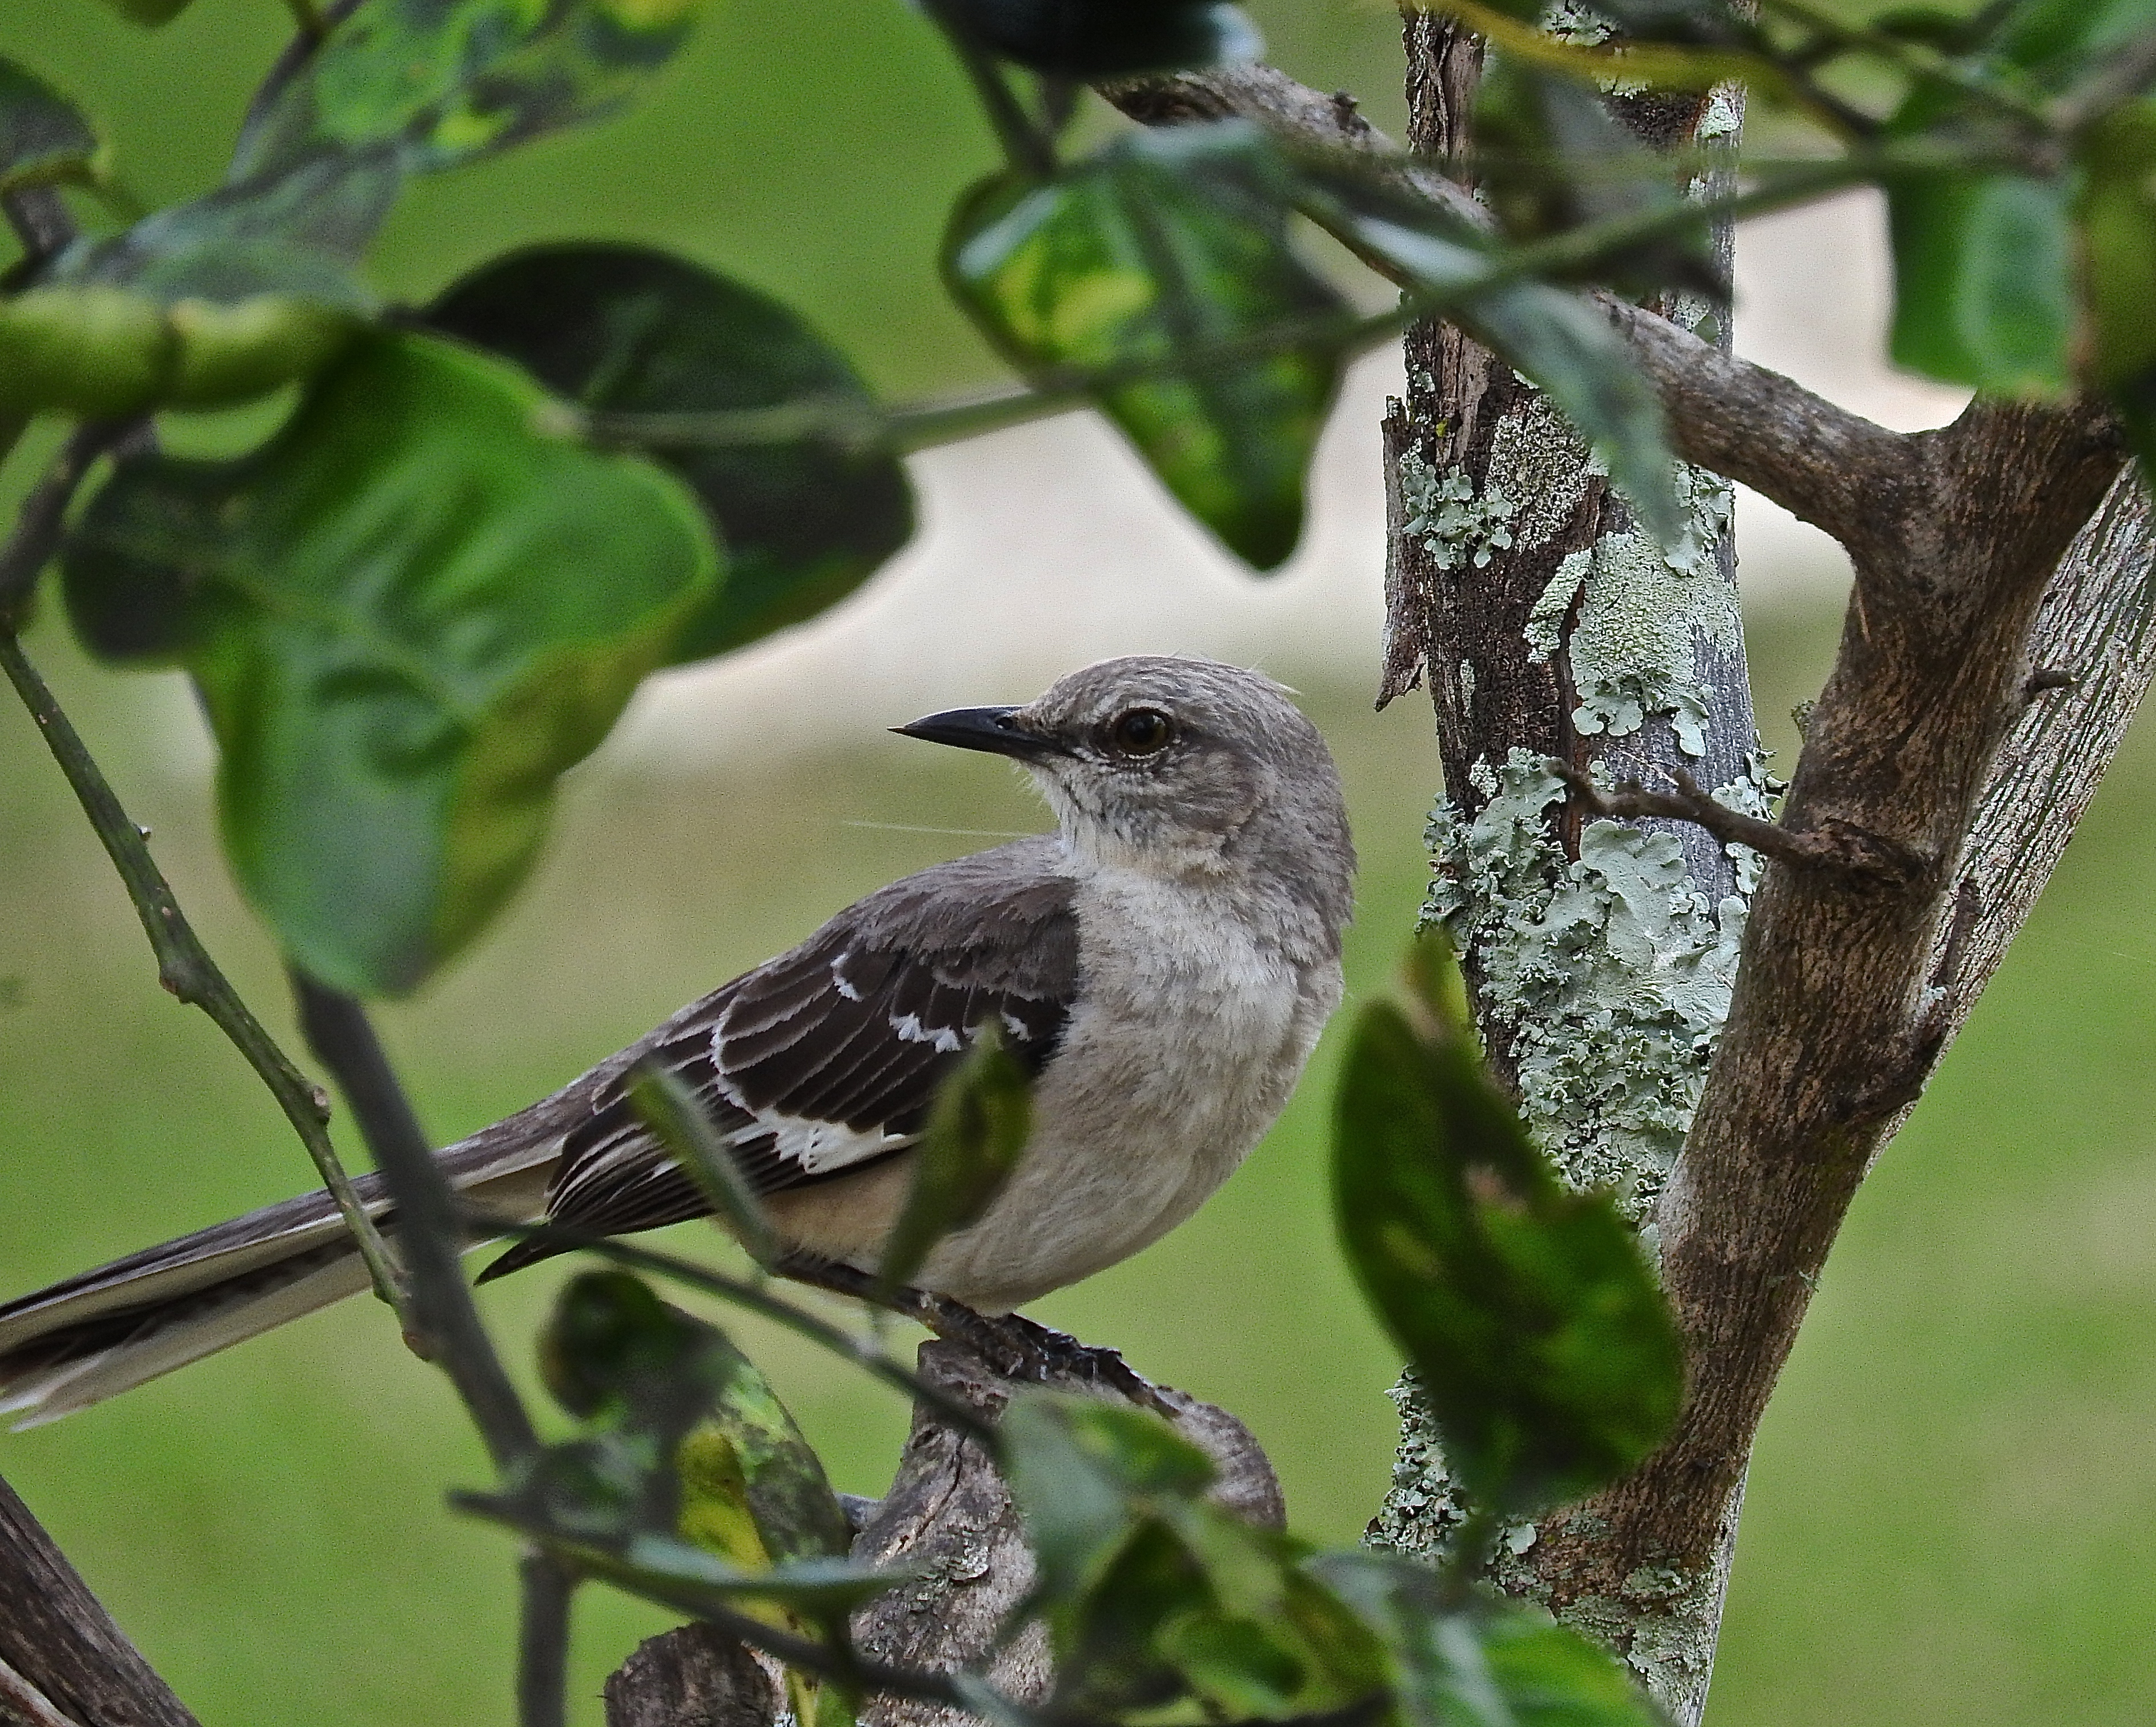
(439, 82)
(1485, 1662)
(1152, 1593)
(628, 330)
(751, 1488)
(43, 137)
(407, 613)
(1549, 335)
(1547, 1354)
(670, 1107)
(970, 1146)
(1983, 289)
(1107, 38)
(1167, 254)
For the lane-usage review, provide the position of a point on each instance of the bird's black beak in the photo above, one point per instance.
(994, 729)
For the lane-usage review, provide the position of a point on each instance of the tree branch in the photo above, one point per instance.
(1741, 420)
(60, 1649)
(184, 966)
(546, 1588)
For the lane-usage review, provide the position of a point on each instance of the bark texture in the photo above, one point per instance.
(64, 1663)
(949, 1518)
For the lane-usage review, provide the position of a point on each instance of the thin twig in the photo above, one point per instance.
(798, 1320)
(441, 1321)
(1864, 856)
(184, 966)
(546, 1585)
(1027, 149)
(43, 516)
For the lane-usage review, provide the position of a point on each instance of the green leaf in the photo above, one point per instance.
(1486, 1662)
(1549, 335)
(670, 1107)
(106, 354)
(970, 1146)
(626, 330)
(1983, 290)
(1167, 254)
(743, 1483)
(43, 137)
(440, 82)
(1108, 39)
(2057, 42)
(2118, 212)
(407, 613)
(1548, 1356)
(1152, 1592)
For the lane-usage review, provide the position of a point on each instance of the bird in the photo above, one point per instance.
(1161, 965)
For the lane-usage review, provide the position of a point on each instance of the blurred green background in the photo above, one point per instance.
(1951, 1517)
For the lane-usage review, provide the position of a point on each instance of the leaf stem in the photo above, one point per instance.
(1027, 149)
(546, 1585)
(184, 966)
(44, 515)
(441, 1320)
(799, 1320)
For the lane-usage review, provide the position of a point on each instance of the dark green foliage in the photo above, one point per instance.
(1167, 254)
(1153, 1595)
(407, 613)
(1104, 39)
(43, 137)
(1548, 334)
(1483, 1661)
(626, 329)
(975, 1136)
(1547, 1354)
(434, 83)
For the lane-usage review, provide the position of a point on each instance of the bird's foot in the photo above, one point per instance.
(1038, 1354)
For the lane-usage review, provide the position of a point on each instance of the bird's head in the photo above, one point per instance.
(1177, 766)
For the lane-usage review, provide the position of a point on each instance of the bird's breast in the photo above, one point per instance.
(1191, 1025)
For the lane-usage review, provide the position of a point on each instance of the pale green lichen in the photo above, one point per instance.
(1457, 527)
(1546, 617)
(1611, 973)
(1540, 467)
(1643, 614)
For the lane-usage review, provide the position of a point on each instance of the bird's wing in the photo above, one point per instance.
(826, 1059)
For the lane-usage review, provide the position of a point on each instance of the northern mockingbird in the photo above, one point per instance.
(1164, 961)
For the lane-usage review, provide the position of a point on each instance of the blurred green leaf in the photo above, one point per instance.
(1151, 1592)
(439, 82)
(1553, 157)
(750, 1487)
(43, 137)
(969, 1148)
(1486, 1661)
(627, 330)
(151, 13)
(670, 1107)
(106, 354)
(1166, 246)
(2118, 212)
(1547, 1354)
(2055, 43)
(1105, 38)
(407, 613)
(1983, 289)
(1549, 335)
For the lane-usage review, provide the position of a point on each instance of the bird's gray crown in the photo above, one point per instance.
(1183, 767)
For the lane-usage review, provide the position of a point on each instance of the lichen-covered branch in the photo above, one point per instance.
(949, 1518)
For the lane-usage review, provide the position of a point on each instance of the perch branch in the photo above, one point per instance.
(1860, 858)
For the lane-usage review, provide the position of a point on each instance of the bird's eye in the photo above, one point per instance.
(1142, 732)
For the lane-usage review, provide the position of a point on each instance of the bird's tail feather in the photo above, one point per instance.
(106, 1331)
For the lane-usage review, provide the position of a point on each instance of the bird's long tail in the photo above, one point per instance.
(94, 1336)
